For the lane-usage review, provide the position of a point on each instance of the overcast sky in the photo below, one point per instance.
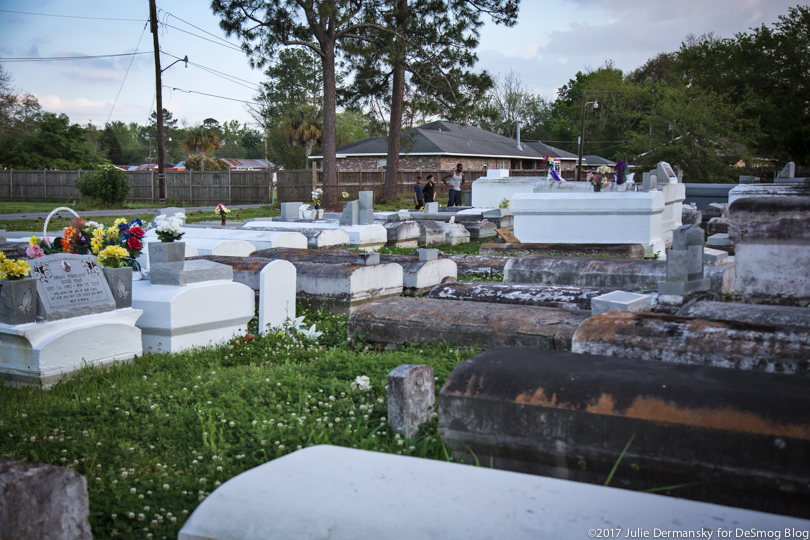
(551, 42)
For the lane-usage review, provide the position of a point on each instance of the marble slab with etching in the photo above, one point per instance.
(70, 286)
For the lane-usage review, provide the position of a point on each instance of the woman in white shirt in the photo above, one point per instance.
(456, 182)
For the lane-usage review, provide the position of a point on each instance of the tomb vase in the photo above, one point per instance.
(597, 187)
(120, 282)
(223, 219)
(161, 252)
(18, 301)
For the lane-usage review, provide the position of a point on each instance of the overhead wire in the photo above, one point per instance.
(132, 59)
(210, 95)
(69, 16)
(62, 58)
(197, 27)
(226, 76)
(228, 46)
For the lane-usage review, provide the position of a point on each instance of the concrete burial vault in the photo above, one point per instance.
(722, 435)
(346, 494)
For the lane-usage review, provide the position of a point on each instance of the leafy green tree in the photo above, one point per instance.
(303, 127)
(294, 79)
(201, 140)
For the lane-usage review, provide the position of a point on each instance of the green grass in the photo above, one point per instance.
(56, 225)
(155, 437)
(23, 207)
(470, 248)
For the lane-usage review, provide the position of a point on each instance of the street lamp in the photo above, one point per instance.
(582, 133)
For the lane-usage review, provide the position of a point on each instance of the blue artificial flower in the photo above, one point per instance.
(125, 235)
(123, 226)
(136, 222)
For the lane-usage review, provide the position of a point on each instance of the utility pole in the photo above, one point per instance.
(581, 137)
(159, 102)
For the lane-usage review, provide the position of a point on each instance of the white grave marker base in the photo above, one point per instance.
(277, 285)
(198, 315)
(39, 354)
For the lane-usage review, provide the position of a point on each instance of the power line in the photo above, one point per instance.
(226, 76)
(60, 58)
(197, 27)
(69, 16)
(228, 46)
(127, 73)
(209, 95)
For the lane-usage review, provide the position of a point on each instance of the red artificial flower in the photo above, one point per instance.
(133, 243)
(137, 232)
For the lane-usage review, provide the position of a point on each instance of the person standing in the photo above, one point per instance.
(456, 185)
(418, 196)
(429, 189)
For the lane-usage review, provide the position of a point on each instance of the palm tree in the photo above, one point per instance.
(199, 140)
(303, 127)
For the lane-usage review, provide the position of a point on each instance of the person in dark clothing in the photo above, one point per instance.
(418, 197)
(429, 189)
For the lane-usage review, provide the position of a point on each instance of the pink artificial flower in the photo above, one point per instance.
(34, 252)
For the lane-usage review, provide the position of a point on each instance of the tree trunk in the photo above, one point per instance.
(329, 138)
(202, 160)
(397, 100)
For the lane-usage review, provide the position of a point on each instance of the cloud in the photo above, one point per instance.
(78, 109)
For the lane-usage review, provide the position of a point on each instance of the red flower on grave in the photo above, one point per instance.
(137, 232)
(133, 243)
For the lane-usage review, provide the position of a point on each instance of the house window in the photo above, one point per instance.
(504, 164)
(381, 163)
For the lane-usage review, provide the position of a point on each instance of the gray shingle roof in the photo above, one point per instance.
(551, 151)
(445, 138)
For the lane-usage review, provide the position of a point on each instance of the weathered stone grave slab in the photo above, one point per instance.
(780, 316)
(284, 500)
(341, 288)
(617, 274)
(621, 301)
(684, 340)
(744, 191)
(418, 276)
(42, 501)
(261, 239)
(721, 241)
(712, 257)
(69, 286)
(479, 264)
(772, 243)
(188, 272)
(718, 225)
(479, 230)
(362, 237)
(455, 233)
(399, 321)
(622, 251)
(430, 233)
(411, 397)
(510, 293)
(717, 433)
(402, 233)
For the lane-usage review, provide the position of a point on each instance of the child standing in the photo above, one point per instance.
(429, 189)
(418, 196)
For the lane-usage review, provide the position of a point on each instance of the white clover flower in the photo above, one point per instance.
(361, 384)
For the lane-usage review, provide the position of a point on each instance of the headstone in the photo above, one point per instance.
(789, 171)
(69, 286)
(720, 207)
(712, 257)
(649, 181)
(507, 236)
(170, 211)
(685, 263)
(428, 254)
(366, 216)
(367, 259)
(351, 213)
(432, 207)
(690, 215)
(276, 294)
(721, 241)
(289, 210)
(718, 225)
(43, 501)
(665, 173)
(411, 397)
(509, 293)
(621, 301)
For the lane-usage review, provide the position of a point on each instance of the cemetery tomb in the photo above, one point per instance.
(232, 248)
(342, 288)
(621, 301)
(591, 218)
(622, 251)
(712, 257)
(491, 192)
(716, 433)
(510, 293)
(150, 238)
(430, 233)
(366, 237)
(749, 313)
(77, 324)
(346, 494)
(690, 214)
(772, 243)
(259, 238)
(400, 321)
(667, 338)
(455, 233)
(479, 230)
(744, 191)
(402, 233)
(718, 225)
(362, 237)
(479, 264)
(418, 276)
(721, 242)
(684, 267)
(671, 219)
(617, 274)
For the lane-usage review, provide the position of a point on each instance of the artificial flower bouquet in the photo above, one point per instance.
(12, 269)
(170, 228)
(316, 198)
(221, 210)
(118, 245)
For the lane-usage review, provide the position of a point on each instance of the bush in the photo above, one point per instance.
(211, 164)
(108, 187)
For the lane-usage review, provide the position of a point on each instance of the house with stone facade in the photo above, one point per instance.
(440, 145)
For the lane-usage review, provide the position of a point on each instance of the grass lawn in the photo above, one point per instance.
(155, 437)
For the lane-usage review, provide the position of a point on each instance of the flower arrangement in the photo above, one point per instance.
(221, 210)
(597, 180)
(77, 236)
(361, 383)
(113, 256)
(34, 250)
(550, 162)
(170, 228)
(13, 269)
(621, 172)
(504, 203)
(344, 195)
(316, 198)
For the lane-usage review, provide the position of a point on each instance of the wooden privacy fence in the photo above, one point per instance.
(296, 185)
(182, 187)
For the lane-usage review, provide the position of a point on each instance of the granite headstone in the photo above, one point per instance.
(70, 286)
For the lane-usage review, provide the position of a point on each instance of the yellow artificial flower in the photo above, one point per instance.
(96, 245)
(12, 269)
(112, 233)
(111, 256)
(119, 221)
(33, 241)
